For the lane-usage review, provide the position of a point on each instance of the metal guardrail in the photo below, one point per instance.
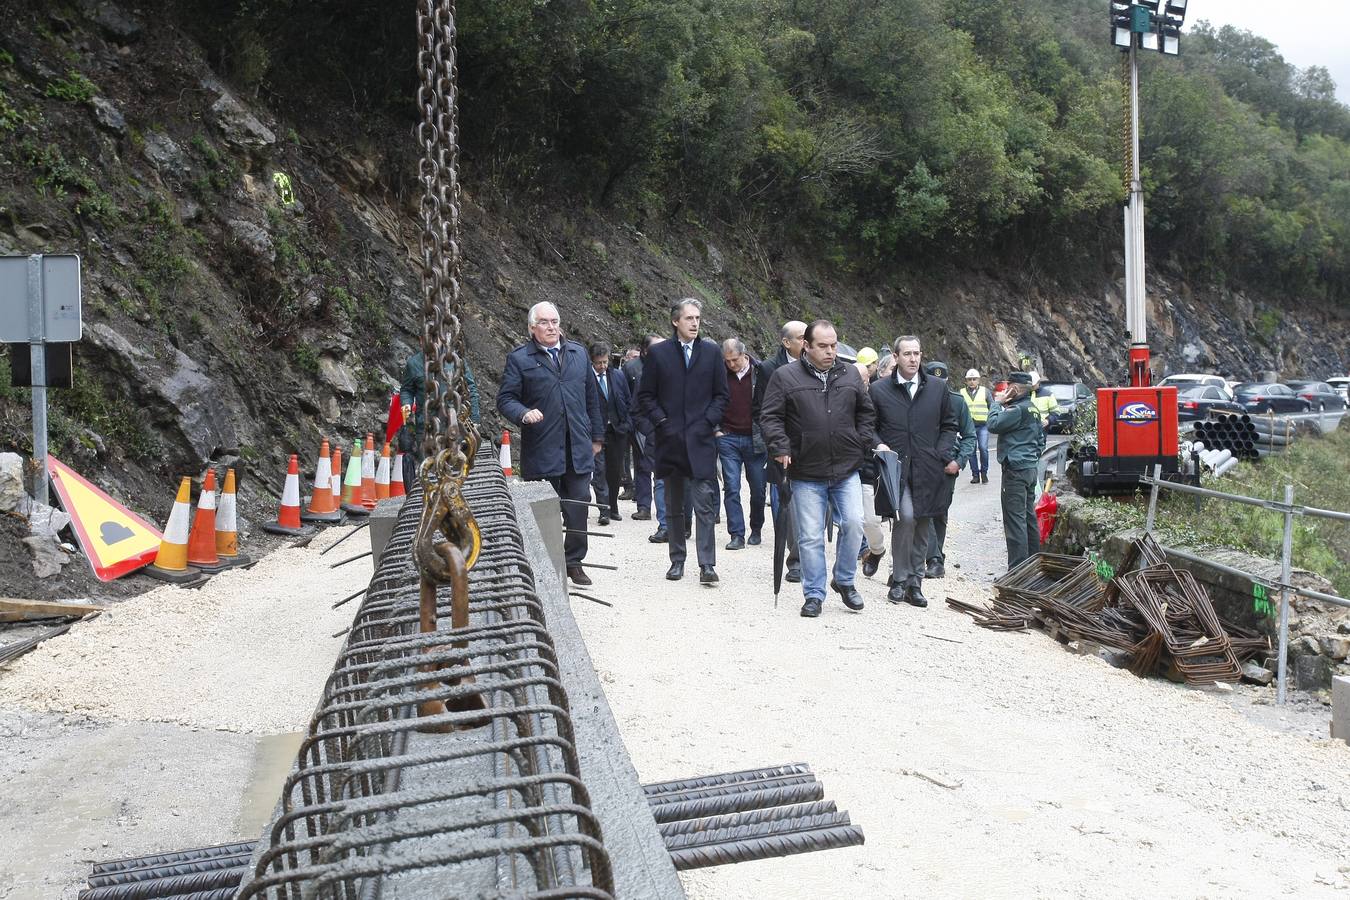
(1288, 510)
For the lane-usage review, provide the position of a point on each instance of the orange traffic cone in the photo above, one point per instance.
(368, 472)
(396, 478)
(351, 487)
(505, 455)
(382, 475)
(227, 530)
(202, 542)
(171, 562)
(336, 469)
(321, 505)
(288, 518)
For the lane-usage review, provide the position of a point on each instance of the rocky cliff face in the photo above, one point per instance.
(251, 283)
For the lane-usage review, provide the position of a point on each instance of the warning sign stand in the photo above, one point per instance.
(115, 540)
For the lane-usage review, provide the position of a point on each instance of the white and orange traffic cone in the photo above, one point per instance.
(202, 540)
(351, 487)
(227, 525)
(382, 475)
(171, 562)
(321, 505)
(505, 455)
(288, 517)
(396, 488)
(368, 472)
(336, 469)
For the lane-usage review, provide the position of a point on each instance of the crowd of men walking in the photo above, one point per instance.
(829, 439)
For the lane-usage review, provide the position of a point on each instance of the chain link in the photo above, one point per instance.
(450, 444)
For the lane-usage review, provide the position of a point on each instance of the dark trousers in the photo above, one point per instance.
(573, 486)
(1020, 532)
(937, 536)
(642, 473)
(608, 469)
(626, 471)
(705, 509)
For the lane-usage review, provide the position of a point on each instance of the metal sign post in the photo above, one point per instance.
(40, 304)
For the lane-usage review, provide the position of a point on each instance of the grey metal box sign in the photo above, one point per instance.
(60, 321)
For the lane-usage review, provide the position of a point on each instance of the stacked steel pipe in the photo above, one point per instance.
(1236, 434)
(712, 820)
(752, 814)
(1158, 616)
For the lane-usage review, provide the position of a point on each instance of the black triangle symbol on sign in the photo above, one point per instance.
(112, 532)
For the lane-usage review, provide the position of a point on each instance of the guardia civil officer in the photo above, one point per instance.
(1021, 440)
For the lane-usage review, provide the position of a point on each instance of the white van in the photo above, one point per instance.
(1342, 385)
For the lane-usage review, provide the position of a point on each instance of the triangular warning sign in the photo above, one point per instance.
(116, 540)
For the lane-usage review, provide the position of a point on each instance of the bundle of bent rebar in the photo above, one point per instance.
(1159, 616)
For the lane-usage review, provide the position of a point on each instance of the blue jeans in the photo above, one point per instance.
(735, 451)
(812, 501)
(979, 461)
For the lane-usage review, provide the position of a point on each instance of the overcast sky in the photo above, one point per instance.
(1308, 32)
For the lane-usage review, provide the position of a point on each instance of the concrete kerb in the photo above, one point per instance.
(1340, 708)
(642, 865)
(382, 520)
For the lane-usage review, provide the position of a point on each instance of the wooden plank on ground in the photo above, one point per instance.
(12, 609)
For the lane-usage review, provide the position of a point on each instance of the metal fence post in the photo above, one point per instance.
(1286, 573)
(1153, 500)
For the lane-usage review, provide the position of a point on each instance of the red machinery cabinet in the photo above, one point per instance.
(1136, 430)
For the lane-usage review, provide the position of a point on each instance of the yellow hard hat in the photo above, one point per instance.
(867, 356)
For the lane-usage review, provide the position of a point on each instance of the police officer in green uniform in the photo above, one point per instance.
(936, 556)
(1021, 440)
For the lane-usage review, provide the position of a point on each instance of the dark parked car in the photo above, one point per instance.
(1068, 394)
(1256, 397)
(1319, 394)
(1199, 400)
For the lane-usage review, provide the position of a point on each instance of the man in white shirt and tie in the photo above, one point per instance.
(615, 404)
(682, 396)
(916, 419)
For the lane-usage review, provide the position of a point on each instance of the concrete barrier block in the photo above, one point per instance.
(1340, 708)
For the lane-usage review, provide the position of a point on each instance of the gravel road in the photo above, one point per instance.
(978, 763)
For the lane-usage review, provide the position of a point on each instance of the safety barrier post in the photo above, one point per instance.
(1153, 500)
(1286, 575)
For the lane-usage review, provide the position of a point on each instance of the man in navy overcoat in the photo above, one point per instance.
(549, 390)
(682, 396)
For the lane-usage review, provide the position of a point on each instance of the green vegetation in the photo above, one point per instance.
(1316, 467)
(306, 358)
(87, 406)
(218, 174)
(74, 88)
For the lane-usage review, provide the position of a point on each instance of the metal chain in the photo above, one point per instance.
(442, 305)
(447, 538)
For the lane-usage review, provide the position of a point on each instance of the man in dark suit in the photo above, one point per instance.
(549, 390)
(683, 396)
(643, 452)
(916, 419)
(615, 403)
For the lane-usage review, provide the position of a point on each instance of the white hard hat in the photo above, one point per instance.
(972, 373)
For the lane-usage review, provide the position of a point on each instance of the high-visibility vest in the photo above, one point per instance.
(978, 403)
(1043, 406)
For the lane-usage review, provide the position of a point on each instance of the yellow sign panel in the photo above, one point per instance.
(115, 539)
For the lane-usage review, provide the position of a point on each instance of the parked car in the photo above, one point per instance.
(1342, 385)
(1198, 400)
(1319, 394)
(1256, 397)
(1068, 394)
(1186, 379)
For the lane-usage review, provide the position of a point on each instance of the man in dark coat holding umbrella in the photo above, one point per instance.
(549, 390)
(915, 418)
(682, 396)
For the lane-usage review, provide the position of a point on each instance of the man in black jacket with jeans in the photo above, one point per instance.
(817, 421)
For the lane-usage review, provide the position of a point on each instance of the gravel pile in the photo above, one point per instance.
(248, 651)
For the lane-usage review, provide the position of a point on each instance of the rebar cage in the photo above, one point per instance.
(378, 806)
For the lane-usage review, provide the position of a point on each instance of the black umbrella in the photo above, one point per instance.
(890, 488)
(779, 477)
